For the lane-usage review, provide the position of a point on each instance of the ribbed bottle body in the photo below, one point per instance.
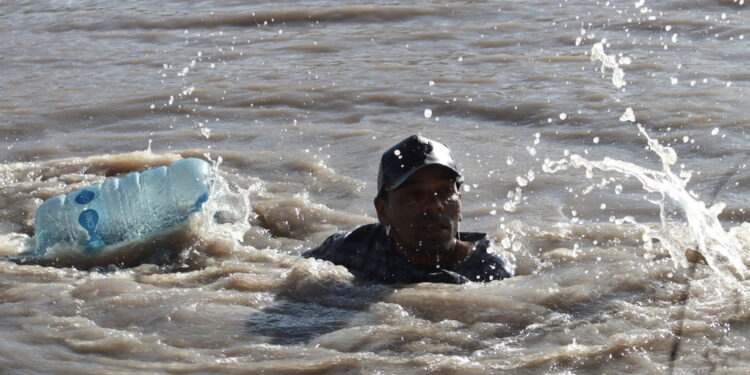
(123, 209)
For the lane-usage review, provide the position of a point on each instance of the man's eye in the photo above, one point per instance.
(445, 192)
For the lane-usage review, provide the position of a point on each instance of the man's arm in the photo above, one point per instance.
(324, 251)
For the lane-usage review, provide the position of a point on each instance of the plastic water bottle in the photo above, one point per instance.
(122, 209)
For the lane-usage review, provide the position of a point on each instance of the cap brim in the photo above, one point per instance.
(402, 179)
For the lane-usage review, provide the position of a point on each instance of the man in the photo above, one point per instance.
(417, 237)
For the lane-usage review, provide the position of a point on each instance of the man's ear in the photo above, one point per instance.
(380, 204)
(460, 215)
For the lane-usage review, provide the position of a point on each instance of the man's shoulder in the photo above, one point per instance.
(485, 263)
(357, 240)
(362, 251)
(365, 232)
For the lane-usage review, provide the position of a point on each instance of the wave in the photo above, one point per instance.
(366, 14)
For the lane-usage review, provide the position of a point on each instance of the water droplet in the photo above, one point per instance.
(629, 115)
(506, 242)
(206, 132)
(427, 113)
(563, 116)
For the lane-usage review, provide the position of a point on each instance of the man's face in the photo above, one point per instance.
(424, 212)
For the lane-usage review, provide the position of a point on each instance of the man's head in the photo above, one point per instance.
(418, 197)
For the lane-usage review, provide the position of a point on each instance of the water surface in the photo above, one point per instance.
(294, 102)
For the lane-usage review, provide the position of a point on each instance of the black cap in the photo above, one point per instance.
(407, 157)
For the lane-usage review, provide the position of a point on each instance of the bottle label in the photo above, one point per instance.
(199, 203)
(85, 196)
(88, 220)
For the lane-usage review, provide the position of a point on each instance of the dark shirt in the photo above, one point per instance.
(369, 255)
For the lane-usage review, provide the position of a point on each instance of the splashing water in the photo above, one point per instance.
(608, 62)
(700, 226)
(229, 209)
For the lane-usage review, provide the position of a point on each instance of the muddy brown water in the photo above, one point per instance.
(294, 101)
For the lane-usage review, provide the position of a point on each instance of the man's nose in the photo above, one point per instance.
(434, 203)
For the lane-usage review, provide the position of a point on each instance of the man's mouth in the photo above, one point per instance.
(431, 226)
